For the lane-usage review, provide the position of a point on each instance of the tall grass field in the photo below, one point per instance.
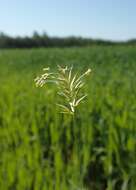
(42, 149)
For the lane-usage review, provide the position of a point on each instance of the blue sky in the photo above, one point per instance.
(106, 19)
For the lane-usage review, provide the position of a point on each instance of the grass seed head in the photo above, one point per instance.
(69, 85)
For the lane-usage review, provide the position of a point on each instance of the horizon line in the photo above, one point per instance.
(67, 36)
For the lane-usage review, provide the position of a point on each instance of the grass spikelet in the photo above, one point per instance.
(70, 88)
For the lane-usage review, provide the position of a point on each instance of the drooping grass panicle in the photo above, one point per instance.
(69, 86)
(44, 78)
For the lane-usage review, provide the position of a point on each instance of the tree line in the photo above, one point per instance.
(43, 40)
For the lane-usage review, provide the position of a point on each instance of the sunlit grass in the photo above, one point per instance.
(43, 149)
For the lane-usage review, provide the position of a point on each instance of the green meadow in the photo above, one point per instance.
(41, 149)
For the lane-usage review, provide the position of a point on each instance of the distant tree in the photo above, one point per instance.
(43, 40)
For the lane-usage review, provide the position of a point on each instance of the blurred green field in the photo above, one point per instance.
(40, 149)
